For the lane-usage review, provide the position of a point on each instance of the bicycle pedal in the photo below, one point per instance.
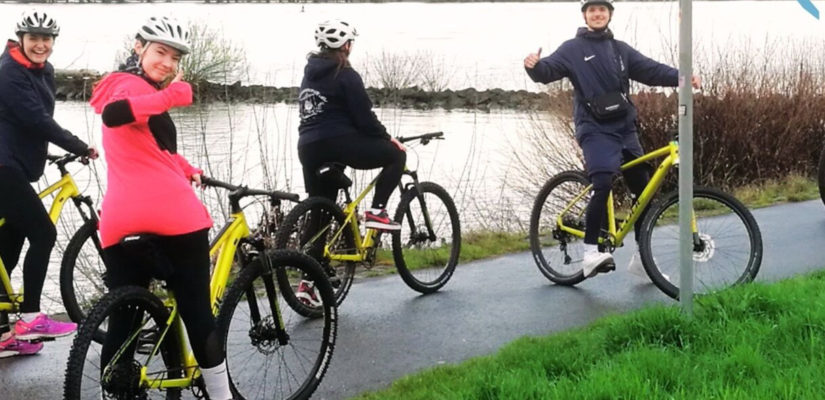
(146, 341)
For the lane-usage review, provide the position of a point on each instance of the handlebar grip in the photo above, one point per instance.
(286, 196)
(216, 183)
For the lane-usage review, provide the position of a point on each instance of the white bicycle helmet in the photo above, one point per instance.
(37, 22)
(167, 31)
(334, 33)
(608, 3)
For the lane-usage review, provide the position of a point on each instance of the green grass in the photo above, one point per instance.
(474, 246)
(755, 341)
(792, 189)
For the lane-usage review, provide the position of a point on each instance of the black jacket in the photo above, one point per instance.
(26, 115)
(334, 102)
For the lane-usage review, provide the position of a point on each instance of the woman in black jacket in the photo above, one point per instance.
(27, 127)
(338, 124)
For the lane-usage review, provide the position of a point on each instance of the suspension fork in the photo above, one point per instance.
(418, 193)
(79, 202)
(272, 296)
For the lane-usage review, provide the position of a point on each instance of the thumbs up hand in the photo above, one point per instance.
(531, 60)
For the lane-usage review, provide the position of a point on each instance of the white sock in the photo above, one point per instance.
(376, 211)
(217, 382)
(29, 316)
(591, 248)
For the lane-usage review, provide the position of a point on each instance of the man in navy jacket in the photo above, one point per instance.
(598, 65)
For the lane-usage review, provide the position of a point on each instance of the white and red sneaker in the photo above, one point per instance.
(380, 221)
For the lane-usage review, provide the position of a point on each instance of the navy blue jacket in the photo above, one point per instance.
(26, 115)
(334, 102)
(589, 61)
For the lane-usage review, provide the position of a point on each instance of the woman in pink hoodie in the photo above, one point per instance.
(149, 191)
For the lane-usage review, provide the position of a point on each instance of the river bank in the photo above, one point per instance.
(77, 86)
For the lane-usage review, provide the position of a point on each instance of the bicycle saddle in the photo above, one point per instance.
(144, 247)
(332, 175)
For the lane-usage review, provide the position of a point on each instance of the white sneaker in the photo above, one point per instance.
(636, 267)
(595, 262)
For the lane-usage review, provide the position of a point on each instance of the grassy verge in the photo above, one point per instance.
(752, 342)
(474, 246)
(792, 189)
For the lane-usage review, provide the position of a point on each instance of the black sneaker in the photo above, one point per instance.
(381, 221)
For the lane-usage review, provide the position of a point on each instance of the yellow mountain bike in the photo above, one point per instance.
(727, 244)
(271, 352)
(425, 250)
(62, 191)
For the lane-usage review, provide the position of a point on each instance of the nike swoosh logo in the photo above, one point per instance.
(589, 58)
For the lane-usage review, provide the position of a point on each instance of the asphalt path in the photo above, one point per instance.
(386, 330)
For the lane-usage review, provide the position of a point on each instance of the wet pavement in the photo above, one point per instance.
(386, 330)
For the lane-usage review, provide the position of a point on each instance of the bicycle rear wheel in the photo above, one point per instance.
(727, 248)
(558, 254)
(307, 228)
(81, 274)
(272, 352)
(426, 262)
(87, 377)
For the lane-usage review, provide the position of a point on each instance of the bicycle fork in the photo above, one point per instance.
(418, 193)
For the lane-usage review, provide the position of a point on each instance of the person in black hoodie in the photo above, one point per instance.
(27, 126)
(600, 67)
(338, 124)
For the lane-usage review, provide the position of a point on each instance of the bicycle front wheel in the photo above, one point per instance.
(308, 228)
(81, 273)
(727, 246)
(271, 351)
(93, 373)
(558, 253)
(426, 259)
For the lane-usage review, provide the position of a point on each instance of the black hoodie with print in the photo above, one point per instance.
(333, 102)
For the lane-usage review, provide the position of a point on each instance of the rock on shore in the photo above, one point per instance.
(77, 86)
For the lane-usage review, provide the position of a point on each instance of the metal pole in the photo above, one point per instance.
(686, 155)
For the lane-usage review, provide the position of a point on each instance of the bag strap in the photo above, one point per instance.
(624, 78)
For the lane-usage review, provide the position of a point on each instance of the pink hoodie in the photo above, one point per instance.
(148, 189)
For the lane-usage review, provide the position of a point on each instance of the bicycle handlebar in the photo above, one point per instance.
(67, 158)
(425, 138)
(243, 191)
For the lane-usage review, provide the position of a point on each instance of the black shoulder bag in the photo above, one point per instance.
(612, 105)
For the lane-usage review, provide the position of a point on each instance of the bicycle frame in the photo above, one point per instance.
(616, 234)
(224, 246)
(368, 240)
(351, 220)
(66, 188)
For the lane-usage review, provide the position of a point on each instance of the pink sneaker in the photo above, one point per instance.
(42, 327)
(13, 347)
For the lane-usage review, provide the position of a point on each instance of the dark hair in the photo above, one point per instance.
(338, 55)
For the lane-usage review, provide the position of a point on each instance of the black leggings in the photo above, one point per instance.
(356, 151)
(188, 256)
(26, 218)
(596, 214)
